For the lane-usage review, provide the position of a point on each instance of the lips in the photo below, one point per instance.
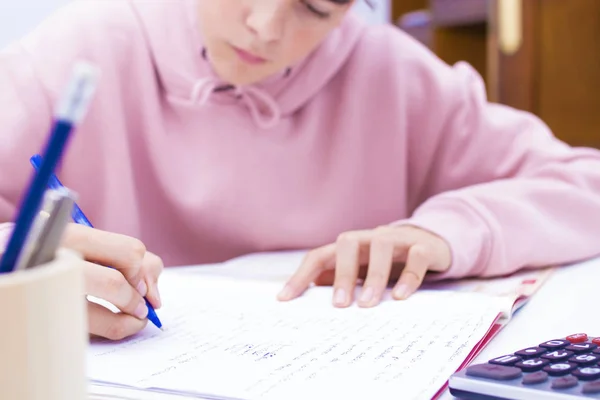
(248, 57)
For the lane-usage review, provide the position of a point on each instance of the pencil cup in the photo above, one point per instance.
(43, 338)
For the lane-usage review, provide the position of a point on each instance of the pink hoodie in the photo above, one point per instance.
(370, 129)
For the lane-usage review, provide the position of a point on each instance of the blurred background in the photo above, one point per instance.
(18, 17)
(541, 56)
(536, 55)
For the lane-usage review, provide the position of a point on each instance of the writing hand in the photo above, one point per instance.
(134, 275)
(402, 253)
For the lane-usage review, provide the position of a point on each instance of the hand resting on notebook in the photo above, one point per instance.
(134, 274)
(390, 253)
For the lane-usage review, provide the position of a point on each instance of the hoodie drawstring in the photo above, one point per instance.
(263, 108)
(202, 90)
(265, 111)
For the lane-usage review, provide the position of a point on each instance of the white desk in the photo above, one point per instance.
(564, 305)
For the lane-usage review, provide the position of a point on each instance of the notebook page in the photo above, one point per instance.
(232, 339)
(515, 290)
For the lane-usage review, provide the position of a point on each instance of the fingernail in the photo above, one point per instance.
(340, 297)
(286, 293)
(402, 291)
(366, 295)
(141, 311)
(142, 288)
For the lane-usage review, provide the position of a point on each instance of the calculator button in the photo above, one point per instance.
(591, 388)
(581, 347)
(587, 373)
(564, 382)
(560, 369)
(558, 355)
(577, 338)
(555, 344)
(585, 359)
(496, 372)
(535, 377)
(596, 341)
(505, 360)
(532, 365)
(531, 352)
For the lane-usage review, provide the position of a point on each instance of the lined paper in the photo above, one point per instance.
(233, 340)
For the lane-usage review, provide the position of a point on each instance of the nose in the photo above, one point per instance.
(266, 21)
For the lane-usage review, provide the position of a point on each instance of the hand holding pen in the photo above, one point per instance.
(132, 270)
(133, 276)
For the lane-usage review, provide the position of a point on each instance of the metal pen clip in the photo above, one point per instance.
(49, 225)
(49, 205)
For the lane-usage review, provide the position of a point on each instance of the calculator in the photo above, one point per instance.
(558, 369)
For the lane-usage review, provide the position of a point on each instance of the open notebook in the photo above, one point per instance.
(229, 338)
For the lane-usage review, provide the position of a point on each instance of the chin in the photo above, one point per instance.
(239, 75)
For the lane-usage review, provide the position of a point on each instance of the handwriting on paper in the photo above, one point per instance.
(237, 341)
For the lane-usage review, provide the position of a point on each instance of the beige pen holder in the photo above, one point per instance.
(43, 332)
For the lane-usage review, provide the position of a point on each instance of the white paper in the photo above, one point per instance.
(267, 266)
(233, 339)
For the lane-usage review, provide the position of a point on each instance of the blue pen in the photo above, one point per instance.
(80, 218)
(71, 109)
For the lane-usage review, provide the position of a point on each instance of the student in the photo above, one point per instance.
(223, 127)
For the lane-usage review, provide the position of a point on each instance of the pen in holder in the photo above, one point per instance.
(44, 336)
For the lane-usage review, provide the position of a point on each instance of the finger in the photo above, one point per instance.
(114, 326)
(110, 285)
(417, 264)
(152, 267)
(121, 252)
(378, 275)
(347, 264)
(315, 262)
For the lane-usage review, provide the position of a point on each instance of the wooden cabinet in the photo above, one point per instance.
(537, 55)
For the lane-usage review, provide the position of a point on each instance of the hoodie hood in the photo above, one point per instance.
(188, 79)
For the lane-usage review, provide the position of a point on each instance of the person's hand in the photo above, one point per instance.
(402, 253)
(134, 275)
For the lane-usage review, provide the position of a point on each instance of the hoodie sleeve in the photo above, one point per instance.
(493, 181)
(25, 117)
(34, 72)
